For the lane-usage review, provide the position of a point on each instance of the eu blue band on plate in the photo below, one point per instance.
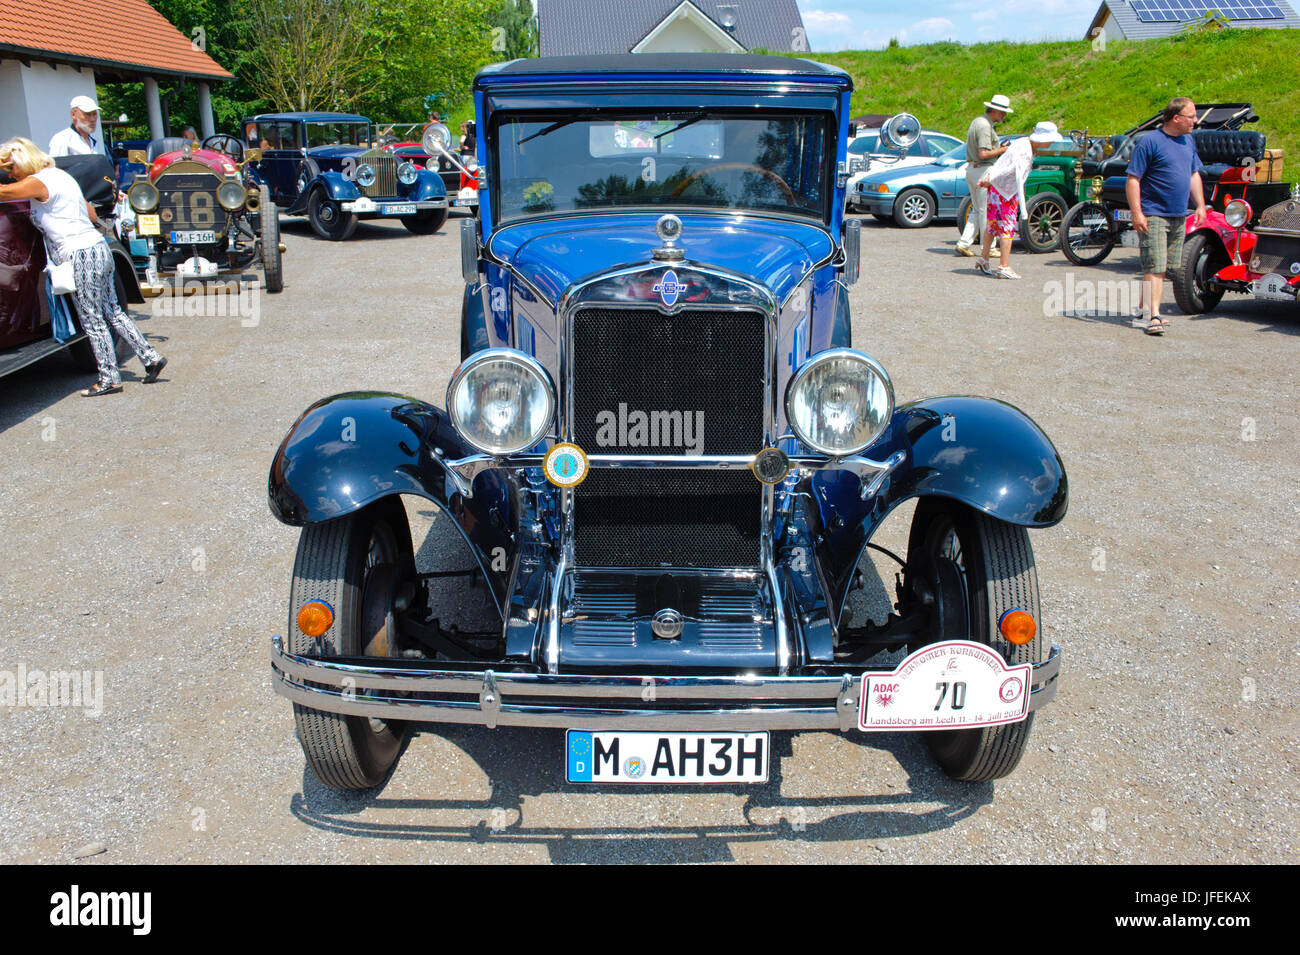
(579, 756)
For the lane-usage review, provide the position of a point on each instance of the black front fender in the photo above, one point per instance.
(982, 452)
(350, 450)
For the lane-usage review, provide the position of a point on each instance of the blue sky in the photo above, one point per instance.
(869, 24)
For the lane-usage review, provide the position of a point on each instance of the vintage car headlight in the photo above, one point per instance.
(406, 173)
(839, 402)
(143, 196)
(366, 174)
(230, 195)
(501, 401)
(1237, 213)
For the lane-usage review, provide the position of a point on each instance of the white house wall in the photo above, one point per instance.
(682, 36)
(34, 99)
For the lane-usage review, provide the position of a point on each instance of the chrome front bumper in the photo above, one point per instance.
(665, 703)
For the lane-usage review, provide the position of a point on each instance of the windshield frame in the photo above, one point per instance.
(827, 120)
(335, 141)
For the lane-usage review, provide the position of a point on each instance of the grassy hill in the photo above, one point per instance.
(1069, 83)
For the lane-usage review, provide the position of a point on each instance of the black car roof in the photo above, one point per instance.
(637, 63)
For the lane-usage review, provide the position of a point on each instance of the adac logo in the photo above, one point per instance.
(669, 288)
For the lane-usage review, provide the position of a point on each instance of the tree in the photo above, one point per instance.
(514, 30)
(309, 54)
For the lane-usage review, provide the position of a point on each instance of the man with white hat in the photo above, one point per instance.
(982, 150)
(79, 138)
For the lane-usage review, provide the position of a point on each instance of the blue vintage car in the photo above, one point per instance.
(666, 459)
(329, 167)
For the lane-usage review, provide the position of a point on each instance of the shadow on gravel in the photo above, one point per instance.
(367, 230)
(524, 763)
(1099, 317)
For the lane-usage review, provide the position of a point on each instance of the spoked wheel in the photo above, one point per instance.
(1195, 289)
(359, 565)
(963, 215)
(328, 219)
(1087, 236)
(1040, 229)
(977, 568)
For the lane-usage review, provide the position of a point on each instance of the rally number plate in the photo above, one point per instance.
(957, 684)
(641, 758)
(1273, 288)
(146, 224)
(201, 237)
(402, 209)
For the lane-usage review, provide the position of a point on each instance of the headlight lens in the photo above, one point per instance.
(366, 174)
(230, 195)
(1237, 212)
(406, 173)
(839, 402)
(501, 401)
(143, 196)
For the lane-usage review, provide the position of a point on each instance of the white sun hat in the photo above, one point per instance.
(1045, 133)
(1000, 102)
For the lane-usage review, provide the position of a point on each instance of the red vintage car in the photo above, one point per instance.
(201, 216)
(26, 331)
(1227, 256)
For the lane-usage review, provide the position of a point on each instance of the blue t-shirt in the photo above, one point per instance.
(1165, 165)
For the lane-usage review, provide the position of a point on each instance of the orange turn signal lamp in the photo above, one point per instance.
(315, 617)
(1017, 626)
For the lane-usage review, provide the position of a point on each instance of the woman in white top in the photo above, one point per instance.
(60, 210)
(1006, 185)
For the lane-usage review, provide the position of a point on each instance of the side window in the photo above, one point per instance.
(919, 148)
(286, 136)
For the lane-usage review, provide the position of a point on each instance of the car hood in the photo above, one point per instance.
(336, 152)
(553, 254)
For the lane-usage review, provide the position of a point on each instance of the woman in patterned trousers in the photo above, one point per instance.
(59, 209)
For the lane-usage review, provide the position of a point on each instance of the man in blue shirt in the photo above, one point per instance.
(1163, 174)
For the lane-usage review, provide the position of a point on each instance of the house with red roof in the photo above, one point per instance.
(53, 50)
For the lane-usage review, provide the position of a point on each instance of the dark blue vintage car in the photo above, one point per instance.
(667, 460)
(329, 167)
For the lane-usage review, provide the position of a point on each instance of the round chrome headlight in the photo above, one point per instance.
(839, 402)
(1237, 213)
(501, 401)
(366, 174)
(143, 196)
(406, 174)
(231, 195)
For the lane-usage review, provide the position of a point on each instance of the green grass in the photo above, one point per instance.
(1108, 91)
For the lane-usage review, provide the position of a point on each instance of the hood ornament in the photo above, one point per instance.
(669, 229)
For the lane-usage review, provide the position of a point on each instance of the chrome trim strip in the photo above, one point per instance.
(817, 702)
(553, 613)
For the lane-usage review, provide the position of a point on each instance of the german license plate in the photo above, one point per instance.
(146, 224)
(640, 758)
(401, 209)
(957, 684)
(1123, 215)
(201, 237)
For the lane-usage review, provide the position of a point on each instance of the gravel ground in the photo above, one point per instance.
(138, 543)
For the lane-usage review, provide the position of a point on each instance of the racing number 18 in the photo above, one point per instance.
(958, 694)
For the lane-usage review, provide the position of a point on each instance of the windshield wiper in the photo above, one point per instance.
(559, 124)
(682, 125)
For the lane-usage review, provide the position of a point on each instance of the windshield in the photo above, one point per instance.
(331, 134)
(955, 155)
(563, 163)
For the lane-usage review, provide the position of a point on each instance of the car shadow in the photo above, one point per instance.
(367, 229)
(527, 764)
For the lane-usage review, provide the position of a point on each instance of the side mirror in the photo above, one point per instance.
(469, 250)
(252, 154)
(137, 157)
(900, 132)
(852, 250)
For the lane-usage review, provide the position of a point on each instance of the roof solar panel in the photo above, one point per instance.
(1177, 11)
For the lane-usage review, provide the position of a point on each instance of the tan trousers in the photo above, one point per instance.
(973, 234)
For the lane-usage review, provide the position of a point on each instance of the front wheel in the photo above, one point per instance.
(963, 215)
(1040, 228)
(1087, 235)
(1195, 289)
(425, 222)
(914, 208)
(358, 564)
(328, 220)
(977, 568)
(272, 262)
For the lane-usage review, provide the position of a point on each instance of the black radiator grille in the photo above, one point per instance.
(1276, 253)
(187, 202)
(676, 517)
(647, 383)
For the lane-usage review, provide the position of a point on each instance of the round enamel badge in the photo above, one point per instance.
(566, 465)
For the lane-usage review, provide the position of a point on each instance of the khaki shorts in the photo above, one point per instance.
(1162, 247)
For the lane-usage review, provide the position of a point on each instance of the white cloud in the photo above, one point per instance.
(931, 28)
(828, 31)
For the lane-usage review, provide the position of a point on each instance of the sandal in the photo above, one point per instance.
(1156, 326)
(151, 372)
(101, 388)
(1004, 272)
(982, 264)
